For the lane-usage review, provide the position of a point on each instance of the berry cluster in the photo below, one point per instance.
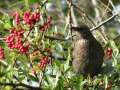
(43, 62)
(31, 18)
(46, 25)
(1, 53)
(109, 52)
(14, 40)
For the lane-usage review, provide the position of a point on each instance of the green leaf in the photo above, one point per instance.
(7, 25)
(33, 78)
(34, 1)
(106, 81)
(7, 88)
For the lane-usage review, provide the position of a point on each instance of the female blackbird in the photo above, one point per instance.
(87, 52)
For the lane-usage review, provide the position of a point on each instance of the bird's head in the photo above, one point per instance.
(83, 30)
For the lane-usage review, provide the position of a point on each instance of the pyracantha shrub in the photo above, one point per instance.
(19, 36)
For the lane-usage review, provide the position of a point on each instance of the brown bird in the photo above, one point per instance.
(87, 52)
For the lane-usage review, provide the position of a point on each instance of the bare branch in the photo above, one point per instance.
(104, 22)
(82, 13)
(69, 2)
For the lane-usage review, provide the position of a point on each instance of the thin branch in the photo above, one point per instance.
(117, 37)
(44, 3)
(98, 18)
(20, 84)
(69, 2)
(56, 38)
(82, 13)
(106, 10)
(104, 5)
(19, 3)
(113, 6)
(104, 22)
(4, 11)
(53, 56)
(48, 37)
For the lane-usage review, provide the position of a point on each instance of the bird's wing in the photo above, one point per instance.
(96, 55)
(96, 50)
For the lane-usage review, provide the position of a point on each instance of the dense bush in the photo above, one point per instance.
(36, 47)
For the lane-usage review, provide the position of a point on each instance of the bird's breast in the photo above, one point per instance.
(81, 49)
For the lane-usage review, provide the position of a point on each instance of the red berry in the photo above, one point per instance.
(26, 18)
(14, 40)
(109, 52)
(35, 17)
(46, 25)
(43, 62)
